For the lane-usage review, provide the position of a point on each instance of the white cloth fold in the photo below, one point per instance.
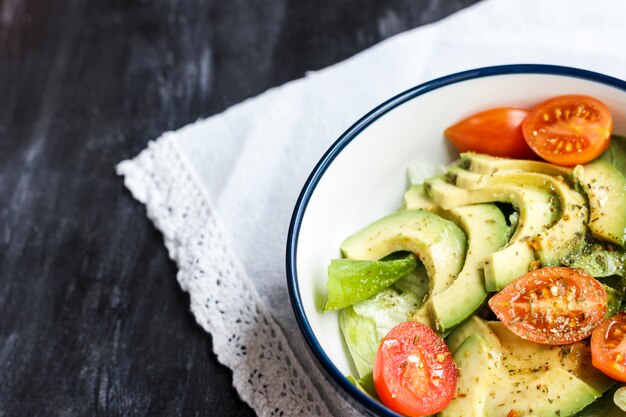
(222, 189)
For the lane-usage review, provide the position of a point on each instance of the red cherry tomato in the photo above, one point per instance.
(414, 373)
(569, 130)
(551, 305)
(608, 347)
(496, 132)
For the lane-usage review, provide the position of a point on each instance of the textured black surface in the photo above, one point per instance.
(92, 321)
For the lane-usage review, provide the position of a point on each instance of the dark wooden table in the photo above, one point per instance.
(92, 321)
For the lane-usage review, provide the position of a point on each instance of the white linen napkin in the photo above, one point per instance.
(222, 190)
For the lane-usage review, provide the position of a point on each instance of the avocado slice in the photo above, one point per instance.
(440, 244)
(477, 368)
(555, 392)
(605, 187)
(474, 325)
(603, 407)
(486, 231)
(566, 235)
(487, 164)
(415, 198)
(502, 376)
(527, 357)
(536, 207)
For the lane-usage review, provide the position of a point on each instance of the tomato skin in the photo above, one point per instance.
(551, 305)
(496, 132)
(608, 347)
(414, 373)
(569, 130)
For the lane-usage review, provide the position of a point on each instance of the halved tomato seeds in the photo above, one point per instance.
(568, 130)
(551, 305)
(608, 347)
(414, 373)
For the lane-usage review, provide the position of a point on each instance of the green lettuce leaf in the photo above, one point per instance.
(599, 262)
(365, 384)
(416, 282)
(614, 300)
(364, 324)
(351, 281)
(361, 337)
(388, 309)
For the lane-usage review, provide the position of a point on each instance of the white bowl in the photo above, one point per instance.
(362, 177)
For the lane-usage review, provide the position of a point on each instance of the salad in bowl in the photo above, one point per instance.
(490, 285)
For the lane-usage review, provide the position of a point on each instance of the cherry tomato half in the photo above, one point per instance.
(496, 132)
(569, 130)
(608, 347)
(414, 373)
(551, 305)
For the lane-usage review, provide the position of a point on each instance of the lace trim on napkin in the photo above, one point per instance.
(246, 338)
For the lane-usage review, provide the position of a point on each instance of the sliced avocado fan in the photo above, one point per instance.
(566, 235)
(486, 230)
(536, 207)
(501, 374)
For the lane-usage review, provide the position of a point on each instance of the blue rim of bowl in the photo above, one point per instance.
(340, 144)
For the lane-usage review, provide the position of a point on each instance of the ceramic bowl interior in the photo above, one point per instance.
(363, 177)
